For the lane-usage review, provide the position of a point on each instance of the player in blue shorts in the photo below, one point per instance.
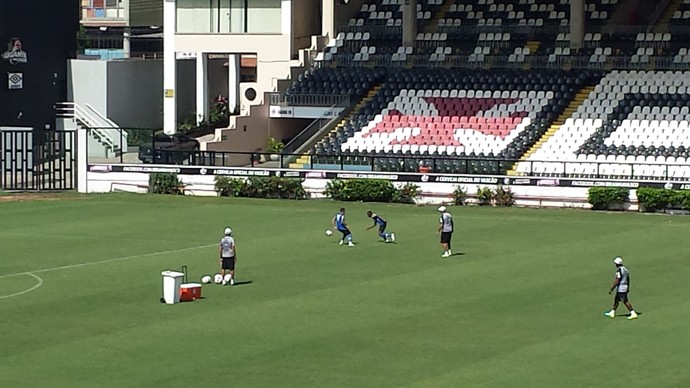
(381, 223)
(340, 224)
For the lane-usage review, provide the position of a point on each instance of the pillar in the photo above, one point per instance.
(577, 23)
(201, 87)
(126, 42)
(82, 142)
(328, 18)
(234, 82)
(409, 23)
(169, 68)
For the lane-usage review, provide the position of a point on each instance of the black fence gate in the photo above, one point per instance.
(37, 160)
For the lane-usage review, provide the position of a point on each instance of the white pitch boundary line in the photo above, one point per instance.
(30, 273)
(80, 237)
(39, 284)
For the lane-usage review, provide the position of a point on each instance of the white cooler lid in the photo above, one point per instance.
(190, 285)
(172, 274)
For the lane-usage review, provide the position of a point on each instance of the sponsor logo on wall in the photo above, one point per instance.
(453, 179)
(15, 81)
(15, 54)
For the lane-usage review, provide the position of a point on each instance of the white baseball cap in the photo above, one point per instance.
(618, 260)
(442, 209)
(228, 231)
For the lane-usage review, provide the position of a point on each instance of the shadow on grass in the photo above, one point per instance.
(626, 315)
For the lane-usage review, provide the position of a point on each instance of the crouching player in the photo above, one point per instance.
(381, 223)
(340, 224)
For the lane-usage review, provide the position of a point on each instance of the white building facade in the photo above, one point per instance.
(272, 31)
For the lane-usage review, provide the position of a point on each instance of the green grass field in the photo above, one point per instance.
(522, 307)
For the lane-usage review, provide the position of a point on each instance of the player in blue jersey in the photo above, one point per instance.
(381, 223)
(340, 224)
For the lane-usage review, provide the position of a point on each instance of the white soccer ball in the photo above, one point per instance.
(217, 278)
(227, 278)
(329, 232)
(206, 279)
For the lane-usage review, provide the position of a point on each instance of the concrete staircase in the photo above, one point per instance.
(533, 46)
(305, 159)
(580, 97)
(432, 24)
(667, 15)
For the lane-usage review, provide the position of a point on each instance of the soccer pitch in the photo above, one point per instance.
(521, 307)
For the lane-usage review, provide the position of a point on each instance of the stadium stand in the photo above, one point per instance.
(621, 123)
(493, 87)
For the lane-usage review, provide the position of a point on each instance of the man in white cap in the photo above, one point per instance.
(445, 227)
(228, 256)
(621, 284)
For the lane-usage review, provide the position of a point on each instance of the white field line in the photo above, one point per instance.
(66, 237)
(39, 284)
(30, 273)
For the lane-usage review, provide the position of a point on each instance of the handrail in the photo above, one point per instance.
(311, 130)
(105, 129)
(545, 30)
(332, 100)
(532, 61)
(660, 7)
(107, 120)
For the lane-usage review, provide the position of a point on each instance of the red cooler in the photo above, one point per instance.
(190, 292)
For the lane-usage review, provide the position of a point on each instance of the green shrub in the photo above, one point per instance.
(367, 190)
(503, 196)
(459, 196)
(680, 198)
(407, 193)
(165, 183)
(229, 187)
(485, 196)
(261, 187)
(652, 199)
(607, 198)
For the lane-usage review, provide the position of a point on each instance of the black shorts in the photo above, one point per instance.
(445, 237)
(382, 228)
(227, 263)
(345, 232)
(621, 297)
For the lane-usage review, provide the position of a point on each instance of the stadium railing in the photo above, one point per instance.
(504, 62)
(444, 165)
(332, 100)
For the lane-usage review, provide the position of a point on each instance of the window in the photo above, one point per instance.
(229, 16)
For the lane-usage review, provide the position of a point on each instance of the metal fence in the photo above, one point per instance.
(524, 30)
(37, 160)
(332, 100)
(162, 154)
(507, 62)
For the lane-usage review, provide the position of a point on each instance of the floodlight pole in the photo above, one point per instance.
(169, 68)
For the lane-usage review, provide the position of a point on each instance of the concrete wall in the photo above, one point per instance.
(273, 53)
(134, 93)
(343, 12)
(87, 84)
(47, 31)
(253, 131)
(127, 92)
(432, 193)
(307, 17)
